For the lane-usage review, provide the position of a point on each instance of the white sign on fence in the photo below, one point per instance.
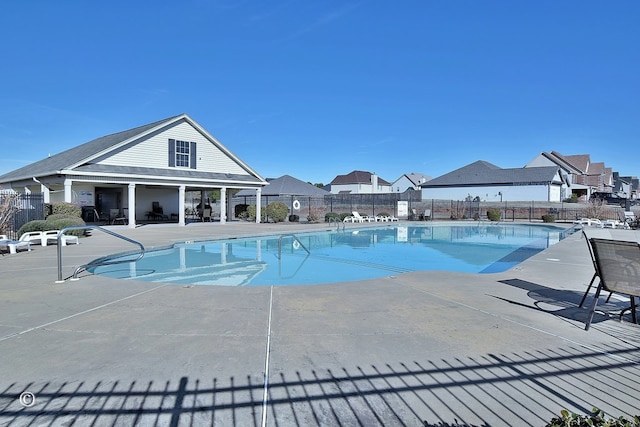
(403, 209)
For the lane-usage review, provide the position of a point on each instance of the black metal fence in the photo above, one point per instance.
(22, 208)
(436, 209)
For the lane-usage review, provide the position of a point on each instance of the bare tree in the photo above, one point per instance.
(8, 208)
(595, 209)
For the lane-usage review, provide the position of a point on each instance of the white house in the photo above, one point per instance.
(487, 182)
(409, 181)
(359, 182)
(132, 171)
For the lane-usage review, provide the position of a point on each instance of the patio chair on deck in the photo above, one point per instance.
(206, 215)
(51, 236)
(595, 273)
(100, 219)
(627, 218)
(618, 266)
(361, 218)
(13, 245)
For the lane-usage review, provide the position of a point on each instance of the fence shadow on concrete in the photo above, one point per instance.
(526, 388)
(565, 303)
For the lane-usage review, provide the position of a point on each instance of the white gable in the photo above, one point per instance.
(540, 160)
(153, 152)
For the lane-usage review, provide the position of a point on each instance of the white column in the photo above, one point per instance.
(68, 197)
(224, 205)
(223, 253)
(132, 206)
(45, 191)
(181, 191)
(258, 200)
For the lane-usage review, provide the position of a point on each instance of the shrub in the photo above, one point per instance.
(55, 217)
(238, 210)
(64, 222)
(548, 218)
(383, 214)
(54, 222)
(66, 209)
(36, 225)
(294, 218)
(329, 215)
(315, 213)
(276, 211)
(249, 214)
(493, 214)
(595, 419)
(344, 215)
(572, 199)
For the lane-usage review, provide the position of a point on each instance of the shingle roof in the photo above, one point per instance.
(287, 185)
(485, 173)
(357, 177)
(579, 161)
(72, 156)
(416, 178)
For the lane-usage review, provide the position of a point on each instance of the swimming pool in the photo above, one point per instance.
(338, 255)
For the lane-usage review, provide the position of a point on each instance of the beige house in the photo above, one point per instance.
(140, 174)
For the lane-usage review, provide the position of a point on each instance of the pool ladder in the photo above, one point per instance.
(295, 240)
(338, 223)
(95, 264)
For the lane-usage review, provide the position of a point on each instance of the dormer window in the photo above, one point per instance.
(182, 154)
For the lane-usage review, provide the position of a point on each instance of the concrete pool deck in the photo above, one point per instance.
(418, 349)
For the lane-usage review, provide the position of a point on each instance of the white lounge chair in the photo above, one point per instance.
(52, 235)
(627, 219)
(361, 218)
(13, 245)
(592, 222)
(32, 236)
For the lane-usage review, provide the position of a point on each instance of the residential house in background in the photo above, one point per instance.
(141, 173)
(626, 186)
(298, 195)
(409, 181)
(584, 176)
(359, 182)
(484, 181)
(285, 186)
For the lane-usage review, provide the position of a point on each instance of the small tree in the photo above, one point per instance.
(8, 208)
(315, 213)
(276, 211)
(493, 214)
(66, 209)
(595, 209)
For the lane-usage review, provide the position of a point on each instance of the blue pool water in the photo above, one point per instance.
(338, 256)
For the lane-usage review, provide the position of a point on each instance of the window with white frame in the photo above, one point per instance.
(182, 153)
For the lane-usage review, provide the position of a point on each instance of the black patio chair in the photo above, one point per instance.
(618, 266)
(100, 219)
(595, 273)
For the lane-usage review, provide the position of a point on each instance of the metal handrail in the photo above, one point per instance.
(295, 238)
(338, 223)
(85, 266)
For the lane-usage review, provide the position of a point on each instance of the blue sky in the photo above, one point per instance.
(315, 89)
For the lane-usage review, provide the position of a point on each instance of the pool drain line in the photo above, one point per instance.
(265, 392)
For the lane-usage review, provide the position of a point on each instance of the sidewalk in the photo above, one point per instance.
(418, 349)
